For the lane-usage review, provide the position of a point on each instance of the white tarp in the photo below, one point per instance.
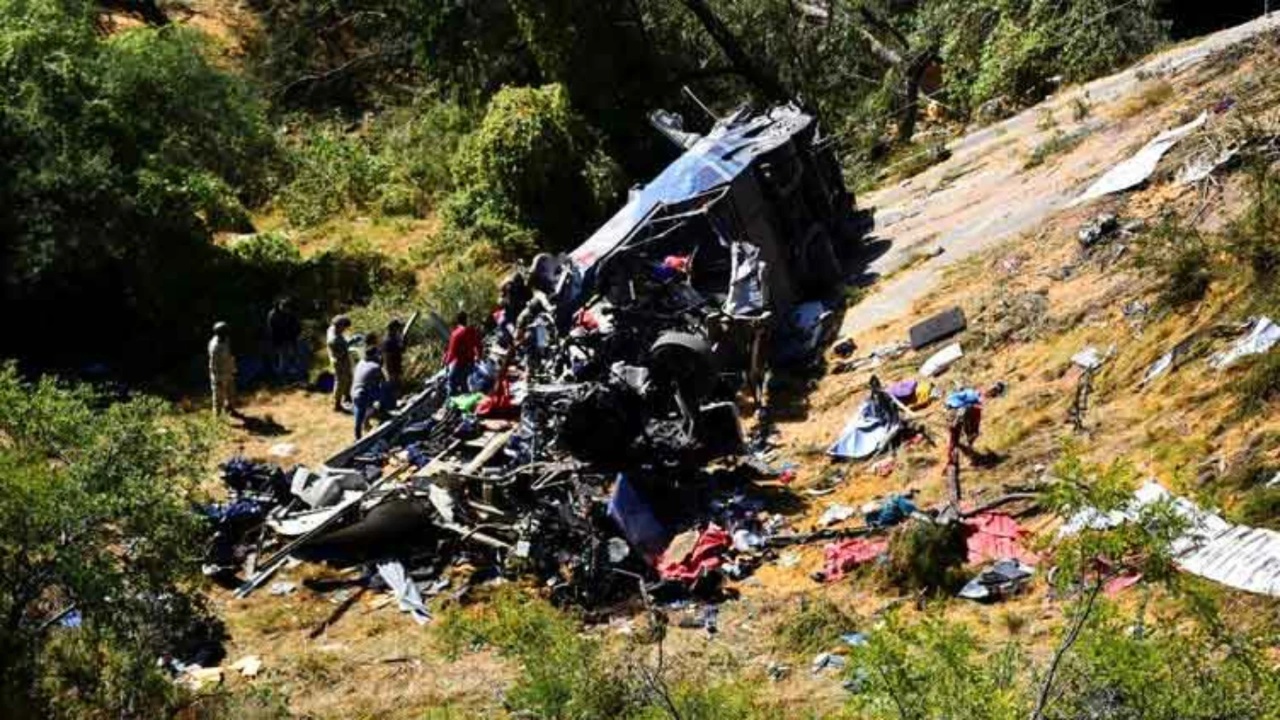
(1237, 556)
(941, 360)
(1137, 169)
(1262, 336)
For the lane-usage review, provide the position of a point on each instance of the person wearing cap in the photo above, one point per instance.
(367, 385)
(339, 360)
(222, 369)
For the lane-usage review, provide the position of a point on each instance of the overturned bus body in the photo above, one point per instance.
(759, 200)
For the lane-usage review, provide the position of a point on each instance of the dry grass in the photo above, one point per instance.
(1152, 94)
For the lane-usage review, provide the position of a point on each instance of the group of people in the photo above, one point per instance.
(361, 386)
(527, 310)
(375, 380)
(358, 387)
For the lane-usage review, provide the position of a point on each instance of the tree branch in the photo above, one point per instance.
(1042, 703)
(756, 73)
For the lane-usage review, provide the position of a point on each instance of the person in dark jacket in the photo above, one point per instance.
(285, 331)
(367, 385)
(393, 359)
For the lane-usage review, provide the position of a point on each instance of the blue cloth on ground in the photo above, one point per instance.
(893, 511)
(864, 435)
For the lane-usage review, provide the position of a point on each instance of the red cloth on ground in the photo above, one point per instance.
(705, 556)
(995, 536)
(464, 346)
(843, 556)
(498, 402)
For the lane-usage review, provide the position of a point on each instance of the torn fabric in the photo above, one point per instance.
(842, 557)
(990, 537)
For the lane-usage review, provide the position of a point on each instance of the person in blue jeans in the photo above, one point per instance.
(368, 384)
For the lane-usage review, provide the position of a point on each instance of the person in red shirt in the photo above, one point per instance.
(461, 355)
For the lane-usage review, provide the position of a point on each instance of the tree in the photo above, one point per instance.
(533, 175)
(122, 156)
(95, 523)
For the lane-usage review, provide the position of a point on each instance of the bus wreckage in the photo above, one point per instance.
(612, 461)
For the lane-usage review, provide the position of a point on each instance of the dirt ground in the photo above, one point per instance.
(375, 662)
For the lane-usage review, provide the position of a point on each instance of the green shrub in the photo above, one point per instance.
(395, 164)
(563, 673)
(95, 514)
(1180, 259)
(1252, 237)
(926, 556)
(1260, 385)
(332, 171)
(532, 173)
(934, 669)
(1057, 144)
(123, 153)
(1260, 507)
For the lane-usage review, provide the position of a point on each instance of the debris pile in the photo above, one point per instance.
(602, 452)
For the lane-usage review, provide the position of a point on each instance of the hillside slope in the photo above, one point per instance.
(1006, 233)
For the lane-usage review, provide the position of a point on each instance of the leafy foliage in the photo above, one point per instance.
(532, 174)
(122, 156)
(926, 556)
(94, 515)
(398, 164)
(815, 627)
(934, 669)
(1180, 259)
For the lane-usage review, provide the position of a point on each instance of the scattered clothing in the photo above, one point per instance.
(1090, 358)
(891, 512)
(842, 557)
(692, 555)
(871, 429)
(968, 397)
(941, 360)
(835, 514)
(827, 661)
(995, 536)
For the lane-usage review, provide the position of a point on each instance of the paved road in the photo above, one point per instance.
(981, 196)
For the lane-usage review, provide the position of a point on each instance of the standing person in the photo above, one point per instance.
(222, 370)
(285, 331)
(367, 386)
(513, 295)
(339, 360)
(393, 359)
(461, 355)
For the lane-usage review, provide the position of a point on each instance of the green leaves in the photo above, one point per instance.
(532, 175)
(95, 513)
